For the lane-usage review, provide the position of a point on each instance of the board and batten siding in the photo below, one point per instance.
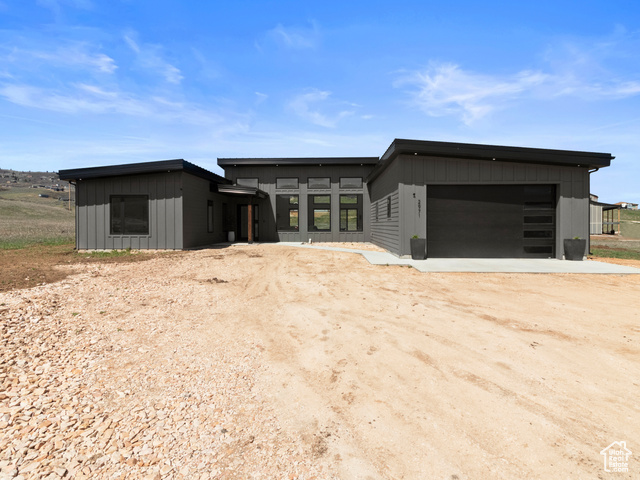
(165, 211)
(267, 176)
(196, 195)
(385, 230)
(417, 173)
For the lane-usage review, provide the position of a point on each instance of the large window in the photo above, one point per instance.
(319, 213)
(129, 214)
(319, 183)
(351, 182)
(351, 213)
(284, 183)
(287, 213)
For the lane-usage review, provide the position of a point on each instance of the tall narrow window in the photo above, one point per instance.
(389, 207)
(287, 213)
(351, 213)
(209, 216)
(319, 213)
(129, 214)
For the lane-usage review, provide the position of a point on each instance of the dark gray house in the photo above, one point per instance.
(466, 200)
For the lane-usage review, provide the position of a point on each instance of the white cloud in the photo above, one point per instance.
(77, 55)
(295, 38)
(85, 98)
(446, 89)
(150, 57)
(302, 105)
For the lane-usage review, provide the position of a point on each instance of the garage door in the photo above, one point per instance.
(491, 221)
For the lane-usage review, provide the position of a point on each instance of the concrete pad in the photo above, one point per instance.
(484, 265)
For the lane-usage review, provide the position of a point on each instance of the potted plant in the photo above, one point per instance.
(418, 248)
(574, 248)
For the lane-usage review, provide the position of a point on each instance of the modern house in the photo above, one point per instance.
(467, 200)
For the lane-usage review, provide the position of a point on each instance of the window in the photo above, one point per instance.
(287, 213)
(319, 213)
(351, 213)
(388, 207)
(209, 216)
(247, 182)
(377, 211)
(351, 182)
(318, 183)
(286, 183)
(129, 214)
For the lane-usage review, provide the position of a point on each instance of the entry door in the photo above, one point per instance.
(243, 223)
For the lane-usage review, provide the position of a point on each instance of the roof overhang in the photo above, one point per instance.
(141, 168)
(242, 190)
(540, 156)
(309, 161)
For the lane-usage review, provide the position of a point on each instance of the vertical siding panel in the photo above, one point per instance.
(101, 234)
(532, 173)
(520, 173)
(497, 174)
(463, 171)
(161, 216)
(507, 172)
(474, 171)
(441, 170)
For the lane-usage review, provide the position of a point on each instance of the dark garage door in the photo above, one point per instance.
(491, 221)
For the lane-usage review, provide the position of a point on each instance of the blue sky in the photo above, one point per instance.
(89, 82)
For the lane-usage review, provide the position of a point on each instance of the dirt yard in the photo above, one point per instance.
(269, 361)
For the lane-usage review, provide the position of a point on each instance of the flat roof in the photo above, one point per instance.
(492, 153)
(140, 168)
(232, 162)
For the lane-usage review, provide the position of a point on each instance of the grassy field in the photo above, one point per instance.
(28, 219)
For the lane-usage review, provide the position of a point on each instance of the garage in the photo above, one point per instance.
(491, 221)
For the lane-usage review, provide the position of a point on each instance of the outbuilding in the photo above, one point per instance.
(466, 200)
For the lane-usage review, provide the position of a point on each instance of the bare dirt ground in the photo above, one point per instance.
(268, 361)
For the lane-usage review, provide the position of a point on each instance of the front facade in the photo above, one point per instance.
(466, 200)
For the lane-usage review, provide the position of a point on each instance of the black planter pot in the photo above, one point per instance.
(418, 248)
(574, 248)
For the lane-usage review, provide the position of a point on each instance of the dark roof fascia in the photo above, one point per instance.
(242, 190)
(605, 206)
(141, 168)
(233, 162)
(491, 153)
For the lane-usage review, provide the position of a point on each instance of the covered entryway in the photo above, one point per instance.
(491, 221)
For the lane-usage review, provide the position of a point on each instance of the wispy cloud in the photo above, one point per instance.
(306, 105)
(75, 55)
(447, 89)
(150, 57)
(294, 37)
(86, 98)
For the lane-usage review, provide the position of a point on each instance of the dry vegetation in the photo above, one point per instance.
(27, 219)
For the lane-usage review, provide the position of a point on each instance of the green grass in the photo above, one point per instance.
(615, 253)
(27, 219)
(633, 215)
